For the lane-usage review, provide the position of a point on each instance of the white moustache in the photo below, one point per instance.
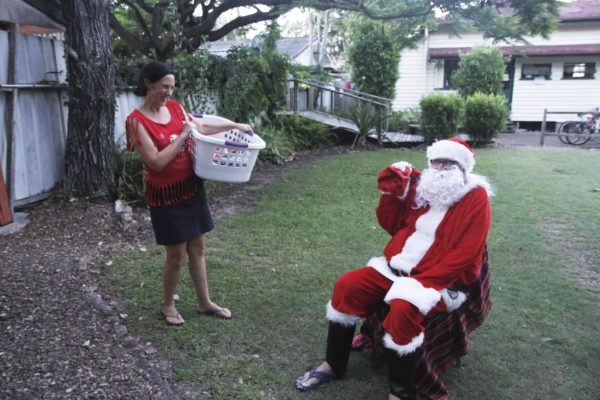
(440, 187)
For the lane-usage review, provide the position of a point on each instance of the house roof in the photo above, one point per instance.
(293, 47)
(34, 16)
(553, 50)
(577, 11)
(582, 10)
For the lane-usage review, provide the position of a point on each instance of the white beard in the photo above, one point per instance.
(440, 188)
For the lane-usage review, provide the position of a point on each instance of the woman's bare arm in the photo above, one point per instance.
(149, 154)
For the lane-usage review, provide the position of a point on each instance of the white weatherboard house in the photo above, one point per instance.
(558, 73)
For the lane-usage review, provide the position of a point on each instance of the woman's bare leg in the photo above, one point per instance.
(197, 267)
(171, 272)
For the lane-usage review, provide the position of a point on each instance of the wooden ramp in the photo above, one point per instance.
(343, 123)
(327, 119)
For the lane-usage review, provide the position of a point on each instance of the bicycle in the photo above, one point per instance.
(579, 132)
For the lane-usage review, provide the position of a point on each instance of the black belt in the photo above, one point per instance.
(396, 272)
(457, 287)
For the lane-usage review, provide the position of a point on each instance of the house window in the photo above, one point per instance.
(581, 70)
(532, 71)
(450, 66)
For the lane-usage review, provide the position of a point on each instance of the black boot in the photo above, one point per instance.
(402, 376)
(339, 344)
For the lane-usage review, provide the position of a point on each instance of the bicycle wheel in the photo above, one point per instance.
(576, 133)
(562, 133)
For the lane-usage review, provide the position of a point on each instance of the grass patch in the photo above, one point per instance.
(275, 267)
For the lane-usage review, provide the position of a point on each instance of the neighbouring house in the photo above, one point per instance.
(557, 74)
(296, 48)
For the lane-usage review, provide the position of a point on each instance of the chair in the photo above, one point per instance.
(446, 336)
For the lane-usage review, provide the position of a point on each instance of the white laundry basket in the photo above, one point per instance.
(227, 156)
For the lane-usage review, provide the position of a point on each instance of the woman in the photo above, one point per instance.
(159, 130)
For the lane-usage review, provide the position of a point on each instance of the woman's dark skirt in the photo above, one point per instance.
(182, 222)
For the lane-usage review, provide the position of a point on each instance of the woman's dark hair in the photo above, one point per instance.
(153, 71)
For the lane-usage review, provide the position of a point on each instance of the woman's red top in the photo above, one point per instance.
(176, 182)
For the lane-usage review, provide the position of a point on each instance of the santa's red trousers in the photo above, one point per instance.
(360, 292)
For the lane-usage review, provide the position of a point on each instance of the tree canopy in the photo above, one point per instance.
(158, 28)
(373, 57)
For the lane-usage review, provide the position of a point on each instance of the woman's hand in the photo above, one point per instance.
(244, 127)
(188, 126)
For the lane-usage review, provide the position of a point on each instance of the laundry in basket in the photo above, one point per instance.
(227, 156)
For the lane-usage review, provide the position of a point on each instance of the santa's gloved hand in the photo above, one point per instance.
(394, 180)
(403, 165)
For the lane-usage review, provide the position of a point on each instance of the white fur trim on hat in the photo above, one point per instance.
(415, 293)
(403, 350)
(341, 318)
(451, 150)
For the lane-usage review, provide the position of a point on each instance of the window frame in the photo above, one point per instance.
(531, 77)
(589, 70)
(450, 67)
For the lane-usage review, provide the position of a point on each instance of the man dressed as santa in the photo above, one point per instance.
(439, 220)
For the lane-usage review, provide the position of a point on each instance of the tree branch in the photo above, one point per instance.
(139, 16)
(132, 40)
(220, 33)
(142, 4)
(532, 17)
(209, 19)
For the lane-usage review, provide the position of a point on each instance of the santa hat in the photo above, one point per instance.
(454, 149)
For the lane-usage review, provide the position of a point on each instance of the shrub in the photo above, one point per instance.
(279, 145)
(129, 176)
(366, 118)
(399, 121)
(198, 79)
(485, 116)
(305, 133)
(480, 70)
(440, 116)
(248, 84)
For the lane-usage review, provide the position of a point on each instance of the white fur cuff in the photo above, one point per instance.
(414, 292)
(341, 318)
(380, 265)
(453, 299)
(403, 350)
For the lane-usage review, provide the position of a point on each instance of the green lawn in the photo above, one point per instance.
(275, 267)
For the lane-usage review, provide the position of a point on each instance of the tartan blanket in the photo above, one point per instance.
(446, 336)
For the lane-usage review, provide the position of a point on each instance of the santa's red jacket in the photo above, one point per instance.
(432, 248)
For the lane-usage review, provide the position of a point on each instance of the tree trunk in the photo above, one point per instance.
(324, 38)
(90, 142)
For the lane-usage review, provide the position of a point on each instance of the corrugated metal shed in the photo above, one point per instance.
(34, 144)
(32, 77)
